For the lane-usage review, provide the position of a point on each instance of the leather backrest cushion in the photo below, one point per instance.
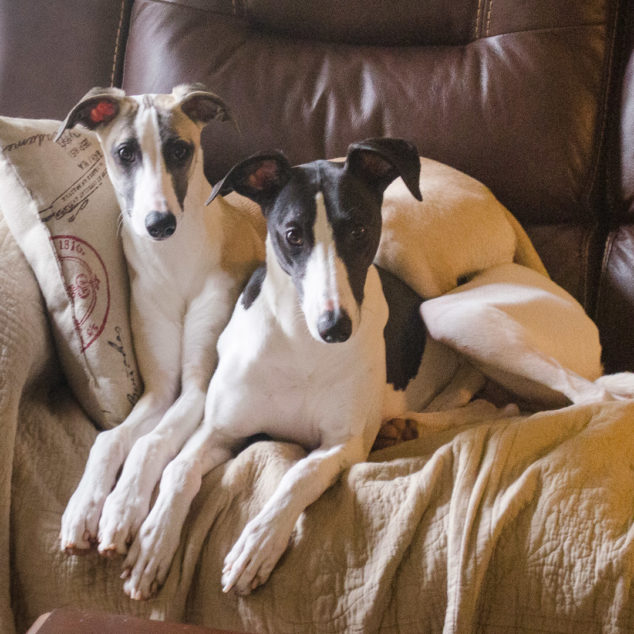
(515, 98)
(406, 21)
(51, 53)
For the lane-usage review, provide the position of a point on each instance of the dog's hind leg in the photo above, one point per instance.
(524, 332)
(464, 385)
(504, 351)
(419, 424)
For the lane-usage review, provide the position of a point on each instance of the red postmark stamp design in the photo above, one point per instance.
(87, 286)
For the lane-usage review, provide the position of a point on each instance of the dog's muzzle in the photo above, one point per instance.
(160, 224)
(334, 326)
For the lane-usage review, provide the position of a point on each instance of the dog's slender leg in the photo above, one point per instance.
(128, 504)
(150, 555)
(473, 412)
(81, 516)
(523, 332)
(80, 521)
(532, 366)
(265, 538)
(461, 389)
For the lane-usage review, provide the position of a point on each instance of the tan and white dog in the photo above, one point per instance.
(187, 264)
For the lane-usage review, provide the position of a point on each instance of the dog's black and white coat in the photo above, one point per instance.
(303, 357)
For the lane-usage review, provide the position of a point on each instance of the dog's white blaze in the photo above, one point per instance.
(325, 285)
(154, 190)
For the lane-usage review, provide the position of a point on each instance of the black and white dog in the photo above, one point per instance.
(303, 357)
(315, 354)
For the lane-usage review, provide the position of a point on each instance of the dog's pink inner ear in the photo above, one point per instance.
(266, 175)
(102, 111)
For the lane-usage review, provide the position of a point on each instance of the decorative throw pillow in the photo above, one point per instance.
(60, 206)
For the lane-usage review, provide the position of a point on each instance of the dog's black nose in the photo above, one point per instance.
(160, 224)
(334, 326)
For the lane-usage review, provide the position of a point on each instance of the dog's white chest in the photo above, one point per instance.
(279, 380)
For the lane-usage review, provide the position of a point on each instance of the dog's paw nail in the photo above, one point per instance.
(136, 595)
(109, 552)
(74, 549)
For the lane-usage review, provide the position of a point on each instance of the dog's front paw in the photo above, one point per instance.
(78, 533)
(253, 557)
(121, 518)
(150, 555)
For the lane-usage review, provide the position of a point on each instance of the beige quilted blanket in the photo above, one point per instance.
(507, 525)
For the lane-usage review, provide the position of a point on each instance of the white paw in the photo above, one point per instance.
(122, 515)
(253, 557)
(80, 520)
(149, 558)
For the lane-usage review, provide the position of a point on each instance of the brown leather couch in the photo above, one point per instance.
(534, 98)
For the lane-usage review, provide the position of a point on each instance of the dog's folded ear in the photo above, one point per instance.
(259, 177)
(201, 105)
(97, 107)
(380, 161)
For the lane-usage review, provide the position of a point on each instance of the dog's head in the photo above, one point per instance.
(324, 223)
(152, 145)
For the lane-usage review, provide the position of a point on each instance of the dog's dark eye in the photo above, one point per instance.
(126, 153)
(179, 152)
(294, 237)
(357, 232)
